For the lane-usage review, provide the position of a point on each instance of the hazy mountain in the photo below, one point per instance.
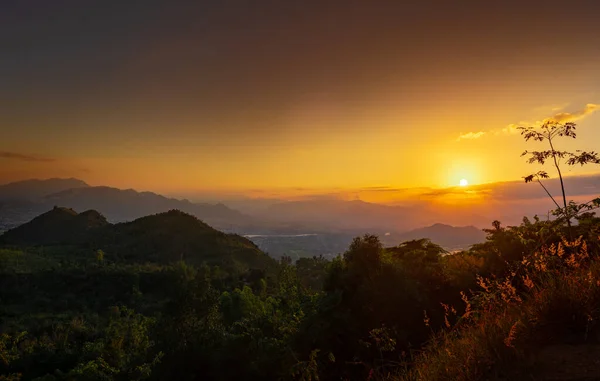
(21, 201)
(125, 205)
(35, 189)
(335, 215)
(449, 237)
(161, 238)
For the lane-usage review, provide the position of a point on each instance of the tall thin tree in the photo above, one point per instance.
(549, 131)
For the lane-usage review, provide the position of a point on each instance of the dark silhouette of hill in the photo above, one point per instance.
(57, 226)
(447, 236)
(35, 189)
(161, 238)
(175, 235)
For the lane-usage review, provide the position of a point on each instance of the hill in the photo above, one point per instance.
(161, 238)
(57, 226)
(173, 236)
(447, 236)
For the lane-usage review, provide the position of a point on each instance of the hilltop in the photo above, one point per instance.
(57, 226)
(173, 236)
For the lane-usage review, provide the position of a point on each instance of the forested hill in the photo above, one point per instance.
(161, 238)
(57, 226)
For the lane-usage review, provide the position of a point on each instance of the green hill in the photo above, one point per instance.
(161, 238)
(57, 226)
(173, 236)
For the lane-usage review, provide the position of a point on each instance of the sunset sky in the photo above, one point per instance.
(247, 96)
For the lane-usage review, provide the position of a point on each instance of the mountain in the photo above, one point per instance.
(161, 238)
(449, 237)
(357, 216)
(174, 235)
(126, 205)
(22, 201)
(35, 189)
(57, 226)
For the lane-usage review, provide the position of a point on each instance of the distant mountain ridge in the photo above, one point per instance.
(35, 189)
(23, 200)
(126, 205)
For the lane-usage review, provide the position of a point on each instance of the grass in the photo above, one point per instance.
(551, 297)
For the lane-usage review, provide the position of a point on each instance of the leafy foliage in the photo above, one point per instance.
(126, 305)
(549, 131)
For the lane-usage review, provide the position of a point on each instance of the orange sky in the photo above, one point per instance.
(274, 97)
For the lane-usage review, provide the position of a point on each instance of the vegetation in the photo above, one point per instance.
(77, 312)
(549, 131)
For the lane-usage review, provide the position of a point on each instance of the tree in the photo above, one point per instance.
(549, 131)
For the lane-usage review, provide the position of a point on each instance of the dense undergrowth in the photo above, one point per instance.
(551, 296)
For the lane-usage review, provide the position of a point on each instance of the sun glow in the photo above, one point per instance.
(463, 182)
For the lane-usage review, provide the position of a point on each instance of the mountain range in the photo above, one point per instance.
(21, 201)
(276, 225)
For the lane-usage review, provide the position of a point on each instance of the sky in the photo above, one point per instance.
(285, 96)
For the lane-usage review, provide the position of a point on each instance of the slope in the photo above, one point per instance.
(175, 235)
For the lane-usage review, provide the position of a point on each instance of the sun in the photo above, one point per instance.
(463, 182)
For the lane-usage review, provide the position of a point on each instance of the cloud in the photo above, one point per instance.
(470, 135)
(24, 157)
(561, 117)
(565, 117)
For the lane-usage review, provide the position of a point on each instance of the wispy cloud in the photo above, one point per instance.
(24, 157)
(561, 117)
(565, 117)
(471, 135)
